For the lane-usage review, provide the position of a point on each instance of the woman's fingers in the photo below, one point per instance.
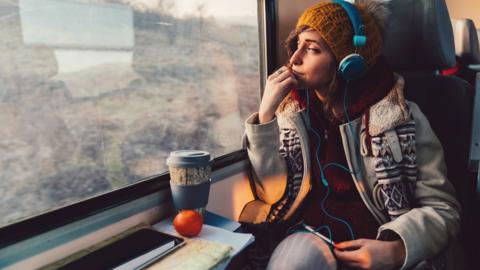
(348, 256)
(358, 254)
(358, 259)
(277, 73)
(277, 87)
(282, 76)
(350, 245)
(289, 81)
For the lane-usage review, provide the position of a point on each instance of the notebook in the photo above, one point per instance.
(199, 254)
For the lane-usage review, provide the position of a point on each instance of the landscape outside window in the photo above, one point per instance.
(94, 94)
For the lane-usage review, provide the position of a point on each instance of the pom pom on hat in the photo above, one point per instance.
(379, 9)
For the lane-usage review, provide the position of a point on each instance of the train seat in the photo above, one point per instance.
(467, 49)
(419, 43)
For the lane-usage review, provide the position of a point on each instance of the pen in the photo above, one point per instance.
(310, 229)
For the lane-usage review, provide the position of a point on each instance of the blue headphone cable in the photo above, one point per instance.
(323, 177)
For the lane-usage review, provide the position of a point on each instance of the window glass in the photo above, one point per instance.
(94, 94)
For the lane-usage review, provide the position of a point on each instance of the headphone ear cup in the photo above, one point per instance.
(352, 66)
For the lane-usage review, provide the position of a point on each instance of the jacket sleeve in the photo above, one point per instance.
(269, 169)
(435, 220)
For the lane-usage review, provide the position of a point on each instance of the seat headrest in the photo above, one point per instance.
(466, 40)
(419, 36)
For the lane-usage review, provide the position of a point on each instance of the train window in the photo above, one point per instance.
(94, 94)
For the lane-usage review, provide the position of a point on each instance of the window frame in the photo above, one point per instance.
(53, 219)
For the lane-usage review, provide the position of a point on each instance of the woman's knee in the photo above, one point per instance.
(302, 251)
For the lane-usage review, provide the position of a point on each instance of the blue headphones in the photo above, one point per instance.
(353, 65)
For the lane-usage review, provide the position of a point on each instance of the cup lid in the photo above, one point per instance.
(189, 158)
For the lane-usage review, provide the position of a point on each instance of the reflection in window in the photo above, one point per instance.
(94, 94)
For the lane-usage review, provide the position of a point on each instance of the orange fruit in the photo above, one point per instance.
(188, 223)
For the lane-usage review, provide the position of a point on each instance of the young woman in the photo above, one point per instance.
(335, 146)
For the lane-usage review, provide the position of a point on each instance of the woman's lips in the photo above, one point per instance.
(297, 74)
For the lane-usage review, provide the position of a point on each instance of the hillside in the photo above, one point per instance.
(72, 135)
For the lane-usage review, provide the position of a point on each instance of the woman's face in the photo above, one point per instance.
(313, 63)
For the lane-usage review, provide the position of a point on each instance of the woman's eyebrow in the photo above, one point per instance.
(314, 41)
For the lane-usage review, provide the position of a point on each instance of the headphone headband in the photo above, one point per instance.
(353, 65)
(359, 38)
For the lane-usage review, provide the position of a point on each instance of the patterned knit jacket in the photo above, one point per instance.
(403, 184)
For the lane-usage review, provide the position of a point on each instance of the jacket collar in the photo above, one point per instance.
(389, 112)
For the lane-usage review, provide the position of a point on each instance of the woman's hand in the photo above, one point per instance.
(371, 254)
(277, 87)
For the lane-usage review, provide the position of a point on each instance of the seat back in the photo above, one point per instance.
(467, 48)
(466, 40)
(419, 43)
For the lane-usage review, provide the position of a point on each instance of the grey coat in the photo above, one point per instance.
(427, 220)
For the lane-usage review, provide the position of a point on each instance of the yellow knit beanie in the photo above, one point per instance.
(333, 24)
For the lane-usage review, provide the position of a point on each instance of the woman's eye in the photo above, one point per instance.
(314, 50)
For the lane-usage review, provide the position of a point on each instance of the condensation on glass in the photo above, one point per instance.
(94, 94)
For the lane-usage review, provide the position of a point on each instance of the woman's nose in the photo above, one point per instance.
(296, 58)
